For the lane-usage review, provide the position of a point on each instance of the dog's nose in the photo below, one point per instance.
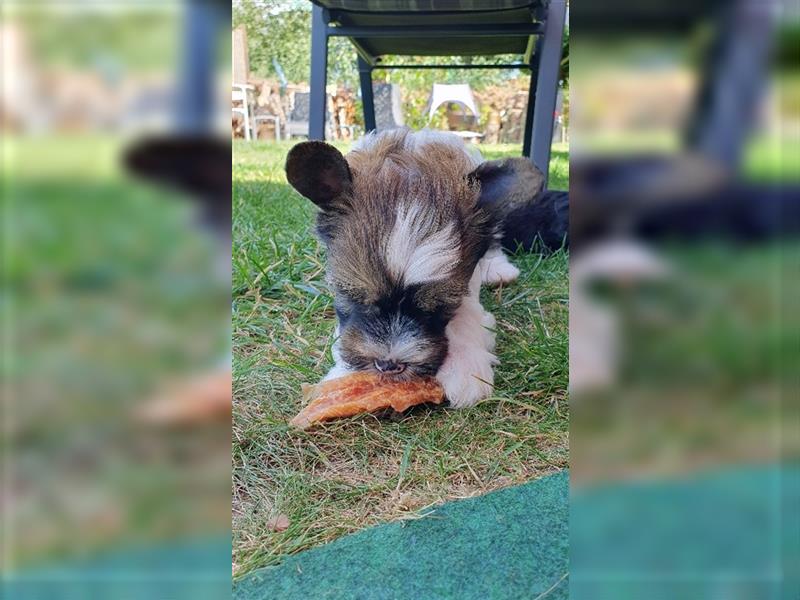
(389, 367)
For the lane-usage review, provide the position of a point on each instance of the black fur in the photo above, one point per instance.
(542, 223)
(374, 320)
(320, 173)
(526, 215)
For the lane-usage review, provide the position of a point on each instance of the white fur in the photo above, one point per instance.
(416, 141)
(495, 268)
(415, 253)
(339, 368)
(595, 347)
(467, 374)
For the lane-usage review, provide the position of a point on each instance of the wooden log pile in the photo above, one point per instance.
(503, 111)
(502, 107)
(267, 99)
(342, 107)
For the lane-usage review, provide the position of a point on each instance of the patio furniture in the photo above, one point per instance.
(387, 106)
(459, 93)
(241, 93)
(266, 119)
(297, 123)
(691, 191)
(532, 29)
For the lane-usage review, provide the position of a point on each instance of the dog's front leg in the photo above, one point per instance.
(496, 269)
(467, 373)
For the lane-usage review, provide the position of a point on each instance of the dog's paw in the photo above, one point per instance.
(467, 381)
(496, 269)
(467, 374)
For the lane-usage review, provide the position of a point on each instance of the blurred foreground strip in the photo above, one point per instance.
(111, 294)
(195, 401)
(685, 231)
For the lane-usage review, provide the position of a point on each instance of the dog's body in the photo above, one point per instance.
(413, 226)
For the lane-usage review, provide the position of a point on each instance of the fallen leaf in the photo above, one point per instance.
(279, 523)
(409, 502)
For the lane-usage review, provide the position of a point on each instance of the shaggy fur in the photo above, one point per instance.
(406, 221)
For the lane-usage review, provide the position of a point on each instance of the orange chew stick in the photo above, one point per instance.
(361, 393)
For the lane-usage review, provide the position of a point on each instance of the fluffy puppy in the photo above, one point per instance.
(412, 223)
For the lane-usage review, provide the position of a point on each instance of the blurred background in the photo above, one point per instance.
(683, 272)
(271, 54)
(116, 299)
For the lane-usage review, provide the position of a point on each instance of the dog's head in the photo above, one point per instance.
(404, 230)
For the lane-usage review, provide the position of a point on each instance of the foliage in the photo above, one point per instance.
(111, 41)
(280, 30)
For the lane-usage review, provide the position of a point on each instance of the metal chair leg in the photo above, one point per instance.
(367, 95)
(319, 73)
(547, 85)
(533, 60)
(247, 131)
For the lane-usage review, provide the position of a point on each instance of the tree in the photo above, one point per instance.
(280, 30)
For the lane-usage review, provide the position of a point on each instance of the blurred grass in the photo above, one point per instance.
(358, 472)
(110, 292)
(708, 374)
(708, 371)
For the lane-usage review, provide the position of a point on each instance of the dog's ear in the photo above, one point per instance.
(507, 181)
(320, 173)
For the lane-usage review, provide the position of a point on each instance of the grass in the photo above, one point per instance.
(359, 472)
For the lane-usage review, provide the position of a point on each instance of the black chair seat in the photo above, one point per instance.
(531, 29)
(452, 14)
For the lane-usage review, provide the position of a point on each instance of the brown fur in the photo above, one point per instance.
(386, 175)
(385, 311)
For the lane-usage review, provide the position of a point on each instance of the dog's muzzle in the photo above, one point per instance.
(389, 367)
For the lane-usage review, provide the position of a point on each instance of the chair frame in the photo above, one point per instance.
(542, 58)
(267, 118)
(243, 90)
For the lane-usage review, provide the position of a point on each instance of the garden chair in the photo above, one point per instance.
(388, 106)
(297, 123)
(458, 93)
(531, 29)
(618, 190)
(266, 118)
(241, 93)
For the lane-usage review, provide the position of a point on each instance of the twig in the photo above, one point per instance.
(552, 587)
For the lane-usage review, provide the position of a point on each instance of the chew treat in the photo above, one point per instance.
(361, 393)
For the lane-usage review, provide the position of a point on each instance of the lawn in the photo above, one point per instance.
(359, 472)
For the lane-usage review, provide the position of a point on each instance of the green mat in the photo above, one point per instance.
(512, 543)
(724, 533)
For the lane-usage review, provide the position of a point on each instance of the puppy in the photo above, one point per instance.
(412, 223)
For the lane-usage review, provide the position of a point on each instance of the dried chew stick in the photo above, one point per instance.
(362, 393)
